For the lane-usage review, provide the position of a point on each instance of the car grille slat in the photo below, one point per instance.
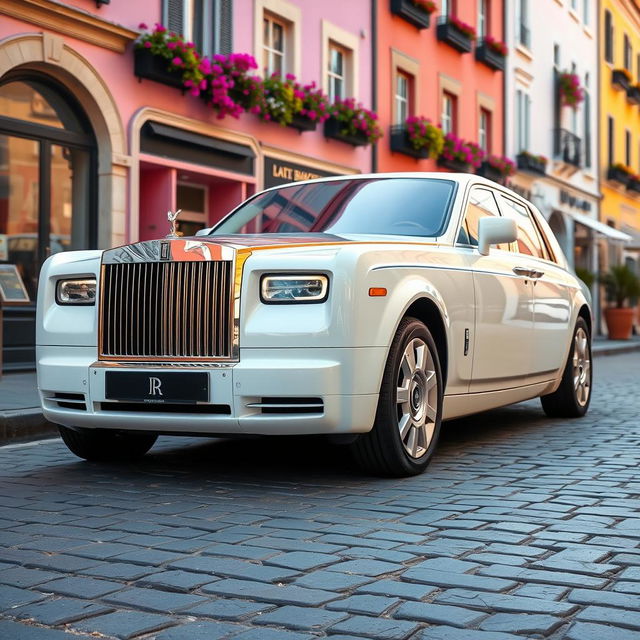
(166, 310)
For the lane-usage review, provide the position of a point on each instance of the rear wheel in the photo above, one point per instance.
(107, 446)
(571, 399)
(407, 423)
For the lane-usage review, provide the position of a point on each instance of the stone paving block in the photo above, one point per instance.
(263, 634)
(576, 566)
(124, 624)
(23, 577)
(521, 623)
(378, 628)
(395, 588)
(17, 631)
(589, 631)
(463, 580)
(102, 551)
(451, 633)
(232, 568)
(81, 587)
(546, 577)
(61, 562)
(496, 558)
(396, 536)
(240, 551)
(626, 587)
(331, 580)
(612, 616)
(350, 541)
(504, 602)
(441, 547)
(606, 598)
(151, 557)
(439, 614)
(154, 600)
(286, 594)
(302, 561)
(229, 609)
(365, 567)
(626, 559)
(202, 630)
(119, 571)
(486, 536)
(364, 604)
(304, 618)
(544, 591)
(386, 555)
(526, 551)
(59, 611)
(426, 516)
(632, 573)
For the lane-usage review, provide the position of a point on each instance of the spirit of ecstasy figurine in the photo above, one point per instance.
(171, 217)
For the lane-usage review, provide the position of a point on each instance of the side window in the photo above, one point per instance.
(482, 203)
(528, 240)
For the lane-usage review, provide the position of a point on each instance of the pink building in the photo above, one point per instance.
(93, 156)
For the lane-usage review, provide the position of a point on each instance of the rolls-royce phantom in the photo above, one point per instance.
(370, 308)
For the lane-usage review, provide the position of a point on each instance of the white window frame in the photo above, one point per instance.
(448, 115)
(484, 129)
(483, 15)
(334, 36)
(403, 100)
(522, 19)
(333, 76)
(268, 48)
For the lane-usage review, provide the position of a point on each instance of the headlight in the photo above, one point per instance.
(294, 288)
(77, 291)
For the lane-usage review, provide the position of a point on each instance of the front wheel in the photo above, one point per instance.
(107, 446)
(407, 423)
(571, 399)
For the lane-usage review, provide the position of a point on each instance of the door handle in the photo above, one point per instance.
(534, 273)
(522, 271)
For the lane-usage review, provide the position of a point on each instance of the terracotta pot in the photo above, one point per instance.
(619, 322)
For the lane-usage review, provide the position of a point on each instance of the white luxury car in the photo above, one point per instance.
(367, 307)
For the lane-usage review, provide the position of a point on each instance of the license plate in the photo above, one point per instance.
(158, 387)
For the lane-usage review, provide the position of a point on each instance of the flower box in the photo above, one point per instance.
(633, 94)
(332, 128)
(448, 32)
(454, 165)
(620, 79)
(634, 184)
(618, 175)
(400, 143)
(302, 123)
(491, 173)
(490, 57)
(411, 12)
(531, 163)
(152, 67)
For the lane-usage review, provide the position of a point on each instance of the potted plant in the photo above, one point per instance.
(459, 155)
(571, 93)
(456, 33)
(619, 173)
(621, 284)
(416, 12)
(492, 52)
(350, 122)
(418, 138)
(531, 162)
(496, 168)
(621, 79)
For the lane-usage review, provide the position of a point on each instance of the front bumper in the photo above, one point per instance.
(346, 381)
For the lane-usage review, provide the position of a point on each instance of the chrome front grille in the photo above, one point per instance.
(165, 310)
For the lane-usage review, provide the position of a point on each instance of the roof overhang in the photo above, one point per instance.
(602, 229)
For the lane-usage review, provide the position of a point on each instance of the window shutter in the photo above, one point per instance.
(225, 26)
(174, 15)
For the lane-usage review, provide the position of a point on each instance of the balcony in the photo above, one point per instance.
(620, 79)
(532, 163)
(411, 12)
(566, 147)
(448, 32)
(633, 94)
(490, 57)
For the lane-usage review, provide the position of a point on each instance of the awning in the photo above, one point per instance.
(601, 228)
(635, 237)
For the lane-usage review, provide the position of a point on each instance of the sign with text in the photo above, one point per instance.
(279, 172)
(12, 288)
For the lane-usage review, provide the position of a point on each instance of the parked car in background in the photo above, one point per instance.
(370, 308)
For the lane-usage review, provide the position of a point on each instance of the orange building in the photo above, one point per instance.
(442, 71)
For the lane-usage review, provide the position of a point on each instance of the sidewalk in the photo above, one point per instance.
(21, 418)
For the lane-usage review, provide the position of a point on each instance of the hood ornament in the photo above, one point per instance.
(172, 217)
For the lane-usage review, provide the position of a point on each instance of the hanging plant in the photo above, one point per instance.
(458, 150)
(353, 119)
(503, 165)
(425, 135)
(428, 6)
(571, 94)
(463, 27)
(497, 46)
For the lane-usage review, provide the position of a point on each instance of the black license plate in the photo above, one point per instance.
(158, 387)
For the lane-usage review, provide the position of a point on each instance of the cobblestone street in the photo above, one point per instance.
(522, 527)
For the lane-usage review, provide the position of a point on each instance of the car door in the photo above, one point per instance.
(502, 341)
(551, 293)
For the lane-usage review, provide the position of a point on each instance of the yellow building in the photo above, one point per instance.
(620, 127)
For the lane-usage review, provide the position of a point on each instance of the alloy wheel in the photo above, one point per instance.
(581, 367)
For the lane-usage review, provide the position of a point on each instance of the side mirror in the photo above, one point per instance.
(495, 231)
(204, 232)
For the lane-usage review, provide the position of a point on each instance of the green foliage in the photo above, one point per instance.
(621, 284)
(586, 276)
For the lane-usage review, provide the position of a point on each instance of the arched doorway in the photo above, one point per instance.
(48, 177)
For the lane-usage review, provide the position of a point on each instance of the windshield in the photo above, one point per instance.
(390, 206)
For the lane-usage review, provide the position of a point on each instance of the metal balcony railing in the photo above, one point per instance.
(567, 147)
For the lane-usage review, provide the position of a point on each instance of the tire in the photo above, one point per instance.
(385, 450)
(107, 446)
(572, 398)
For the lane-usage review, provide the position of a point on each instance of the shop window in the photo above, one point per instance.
(207, 23)
(192, 199)
(448, 118)
(484, 130)
(608, 36)
(274, 46)
(403, 97)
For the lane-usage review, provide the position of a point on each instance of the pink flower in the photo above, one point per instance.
(171, 45)
(142, 25)
(177, 62)
(147, 45)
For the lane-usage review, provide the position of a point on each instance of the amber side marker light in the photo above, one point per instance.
(376, 292)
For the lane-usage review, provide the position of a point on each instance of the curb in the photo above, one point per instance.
(615, 350)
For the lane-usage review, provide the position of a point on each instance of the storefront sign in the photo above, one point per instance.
(278, 172)
(12, 290)
(573, 201)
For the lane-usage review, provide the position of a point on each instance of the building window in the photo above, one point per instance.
(336, 72)
(483, 18)
(484, 130)
(608, 37)
(627, 148)
(273, 44)
(523, 122)
(610, 141)
(587, 122)
(574, 5)
(556, 55)
(523, 33)
(585, 11)
(206, 23)
(627, 53)
(448, 117)
(404, 84)
(447, 7)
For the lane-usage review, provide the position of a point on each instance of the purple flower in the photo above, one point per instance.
(177, 62)
(147, 45)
